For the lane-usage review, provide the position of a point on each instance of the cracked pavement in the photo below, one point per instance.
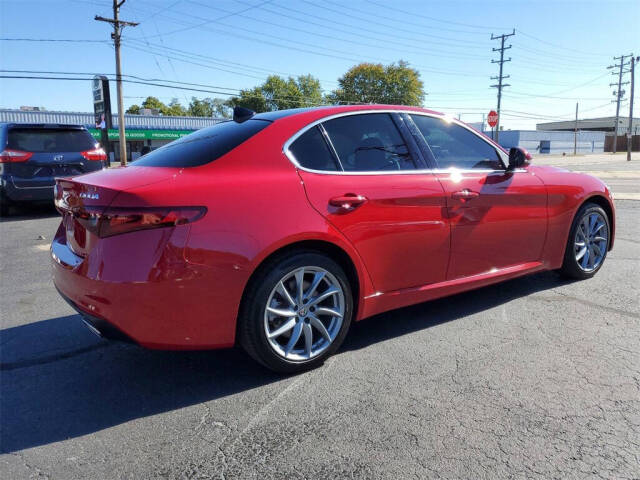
(534, 378)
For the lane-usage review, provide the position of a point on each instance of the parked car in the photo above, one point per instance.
(32, 155)
(278, 230)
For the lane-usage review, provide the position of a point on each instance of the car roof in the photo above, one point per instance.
(314, 113)
(52, 126)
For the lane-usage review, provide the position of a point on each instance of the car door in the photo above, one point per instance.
(360, 173)
(498, 217)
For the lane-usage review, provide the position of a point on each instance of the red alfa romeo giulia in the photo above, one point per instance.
(278, 230)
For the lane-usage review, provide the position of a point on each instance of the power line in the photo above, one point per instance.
(589, 54)
(545, 54)
(296, 45)
(303, 100)
(65, 40)
(394, 8)
(225, 63)
(231, 14)
(332, 28)
(404, 21)
(143, 79)
(450, 42)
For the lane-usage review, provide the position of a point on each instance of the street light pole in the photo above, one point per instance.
(117, 31)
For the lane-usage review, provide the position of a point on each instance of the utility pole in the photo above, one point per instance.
(619, 93)
(118, 25)
(500, 77)
(629, 137)
(575, 133)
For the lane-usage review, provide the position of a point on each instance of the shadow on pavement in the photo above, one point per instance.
(402, 321)
(61, 382)
(30, 211)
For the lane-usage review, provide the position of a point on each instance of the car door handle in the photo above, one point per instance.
(347, 202)
(464, 195)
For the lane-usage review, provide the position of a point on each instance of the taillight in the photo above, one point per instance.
(118, 220)
(95, 155)
(14, 156)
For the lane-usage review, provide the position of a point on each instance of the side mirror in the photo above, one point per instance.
(518, 158)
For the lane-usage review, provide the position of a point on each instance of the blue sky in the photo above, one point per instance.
(560, 51)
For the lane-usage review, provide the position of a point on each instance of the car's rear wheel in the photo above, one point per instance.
(296, 312)
(588, 242)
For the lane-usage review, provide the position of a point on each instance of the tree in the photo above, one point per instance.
(134, 109)
(376, 83)
(208, 107)
(278, 93)
(174, 108)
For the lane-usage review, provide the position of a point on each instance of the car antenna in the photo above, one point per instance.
(241, 114)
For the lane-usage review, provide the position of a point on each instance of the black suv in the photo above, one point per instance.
(33, 155)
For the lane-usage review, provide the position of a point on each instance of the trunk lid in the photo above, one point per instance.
(79, 199)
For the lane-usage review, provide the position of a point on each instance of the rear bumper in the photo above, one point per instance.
(27, 190)
(98, 326)
(138, 287)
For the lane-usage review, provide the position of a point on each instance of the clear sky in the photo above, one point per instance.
(559, 56)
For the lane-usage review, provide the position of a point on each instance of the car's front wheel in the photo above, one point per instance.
(588, 242)
(296, 312)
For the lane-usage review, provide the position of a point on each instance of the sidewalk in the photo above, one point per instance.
(621, 176)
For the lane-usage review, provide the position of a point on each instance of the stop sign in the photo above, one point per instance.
(492, 119)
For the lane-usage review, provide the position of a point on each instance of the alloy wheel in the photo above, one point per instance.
(591, 241)
(304, 313)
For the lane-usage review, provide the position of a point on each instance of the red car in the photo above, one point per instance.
(278, 230)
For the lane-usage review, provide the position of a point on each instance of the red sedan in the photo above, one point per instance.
(278, 230)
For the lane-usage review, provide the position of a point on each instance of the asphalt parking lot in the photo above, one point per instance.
(534, 378)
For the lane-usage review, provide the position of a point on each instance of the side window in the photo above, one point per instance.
(369, 143)
(455, 146)
(311, 151)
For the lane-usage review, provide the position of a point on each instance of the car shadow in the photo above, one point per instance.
(58, 381)
(406, 320)
(29, 211)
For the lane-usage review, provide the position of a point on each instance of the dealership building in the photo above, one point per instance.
(140, 130)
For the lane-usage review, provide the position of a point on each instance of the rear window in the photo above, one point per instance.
(203, 146)
(50, 140)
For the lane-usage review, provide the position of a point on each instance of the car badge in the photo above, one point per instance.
(58, 158)
(90, 196)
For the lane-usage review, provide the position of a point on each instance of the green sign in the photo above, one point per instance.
(143, 134)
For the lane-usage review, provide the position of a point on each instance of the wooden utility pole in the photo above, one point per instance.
(575, 133)
(619, 93)
(629, 137)
(500, 76)
(118, 25)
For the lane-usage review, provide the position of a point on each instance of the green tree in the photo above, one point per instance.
(174, 109)
(396, 83)
(134, 109)
(278, 93)
(208, 107)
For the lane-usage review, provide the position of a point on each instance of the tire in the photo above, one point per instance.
(269, 318)
(596, 245)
